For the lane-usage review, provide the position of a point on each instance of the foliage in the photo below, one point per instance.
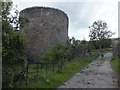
(115, 65)
(53, 79)
(13, 45)
(84, 42)
(73, 41)
(116, 49)
(91, 45)
(13, 49)
(116, 57)
(99, 35)
(104, 43)
(58, 53)
(99, 30)
(115, 62)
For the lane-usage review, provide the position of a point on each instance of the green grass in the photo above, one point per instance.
(54, 79)
(115, 65)
(103, 51)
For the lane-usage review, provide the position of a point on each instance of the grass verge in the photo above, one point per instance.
(54, 79)
(115, 65)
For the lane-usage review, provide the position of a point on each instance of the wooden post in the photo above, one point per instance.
(58, 65)
(53, 67)
(37, 69)
(26, 70)
(46, 67)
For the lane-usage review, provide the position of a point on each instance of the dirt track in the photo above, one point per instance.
(97, 74)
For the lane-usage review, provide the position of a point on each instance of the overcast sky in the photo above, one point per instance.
(81, 13)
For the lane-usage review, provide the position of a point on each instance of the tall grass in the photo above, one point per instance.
(54, 79)
(115, 65)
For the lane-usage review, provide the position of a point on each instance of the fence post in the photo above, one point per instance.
(37, 69)
(53, 67)
(46, 67)
(41, 66)
(26, 71)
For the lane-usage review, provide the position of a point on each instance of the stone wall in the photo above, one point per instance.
(44, 28)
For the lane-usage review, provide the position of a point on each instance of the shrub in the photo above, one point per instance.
(58, 53)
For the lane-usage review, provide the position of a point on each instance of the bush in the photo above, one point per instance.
(58, 53)
(13, 56)
(13, 47)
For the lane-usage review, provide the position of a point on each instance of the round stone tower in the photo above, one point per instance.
(43, 27)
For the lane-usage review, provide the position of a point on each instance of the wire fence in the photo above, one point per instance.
(44, 68)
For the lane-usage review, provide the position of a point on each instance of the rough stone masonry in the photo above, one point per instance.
(43, 28)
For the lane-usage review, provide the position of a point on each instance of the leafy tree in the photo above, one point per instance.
(105, 43)
(84, 42)
(90, 46)
(99, 33)
(99, 30)
(13, 44)
(73, 41)
(57, 54)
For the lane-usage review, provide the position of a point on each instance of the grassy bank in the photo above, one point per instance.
(54, 79)
(115, 65)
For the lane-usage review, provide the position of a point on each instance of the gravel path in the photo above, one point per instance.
(97, 74)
